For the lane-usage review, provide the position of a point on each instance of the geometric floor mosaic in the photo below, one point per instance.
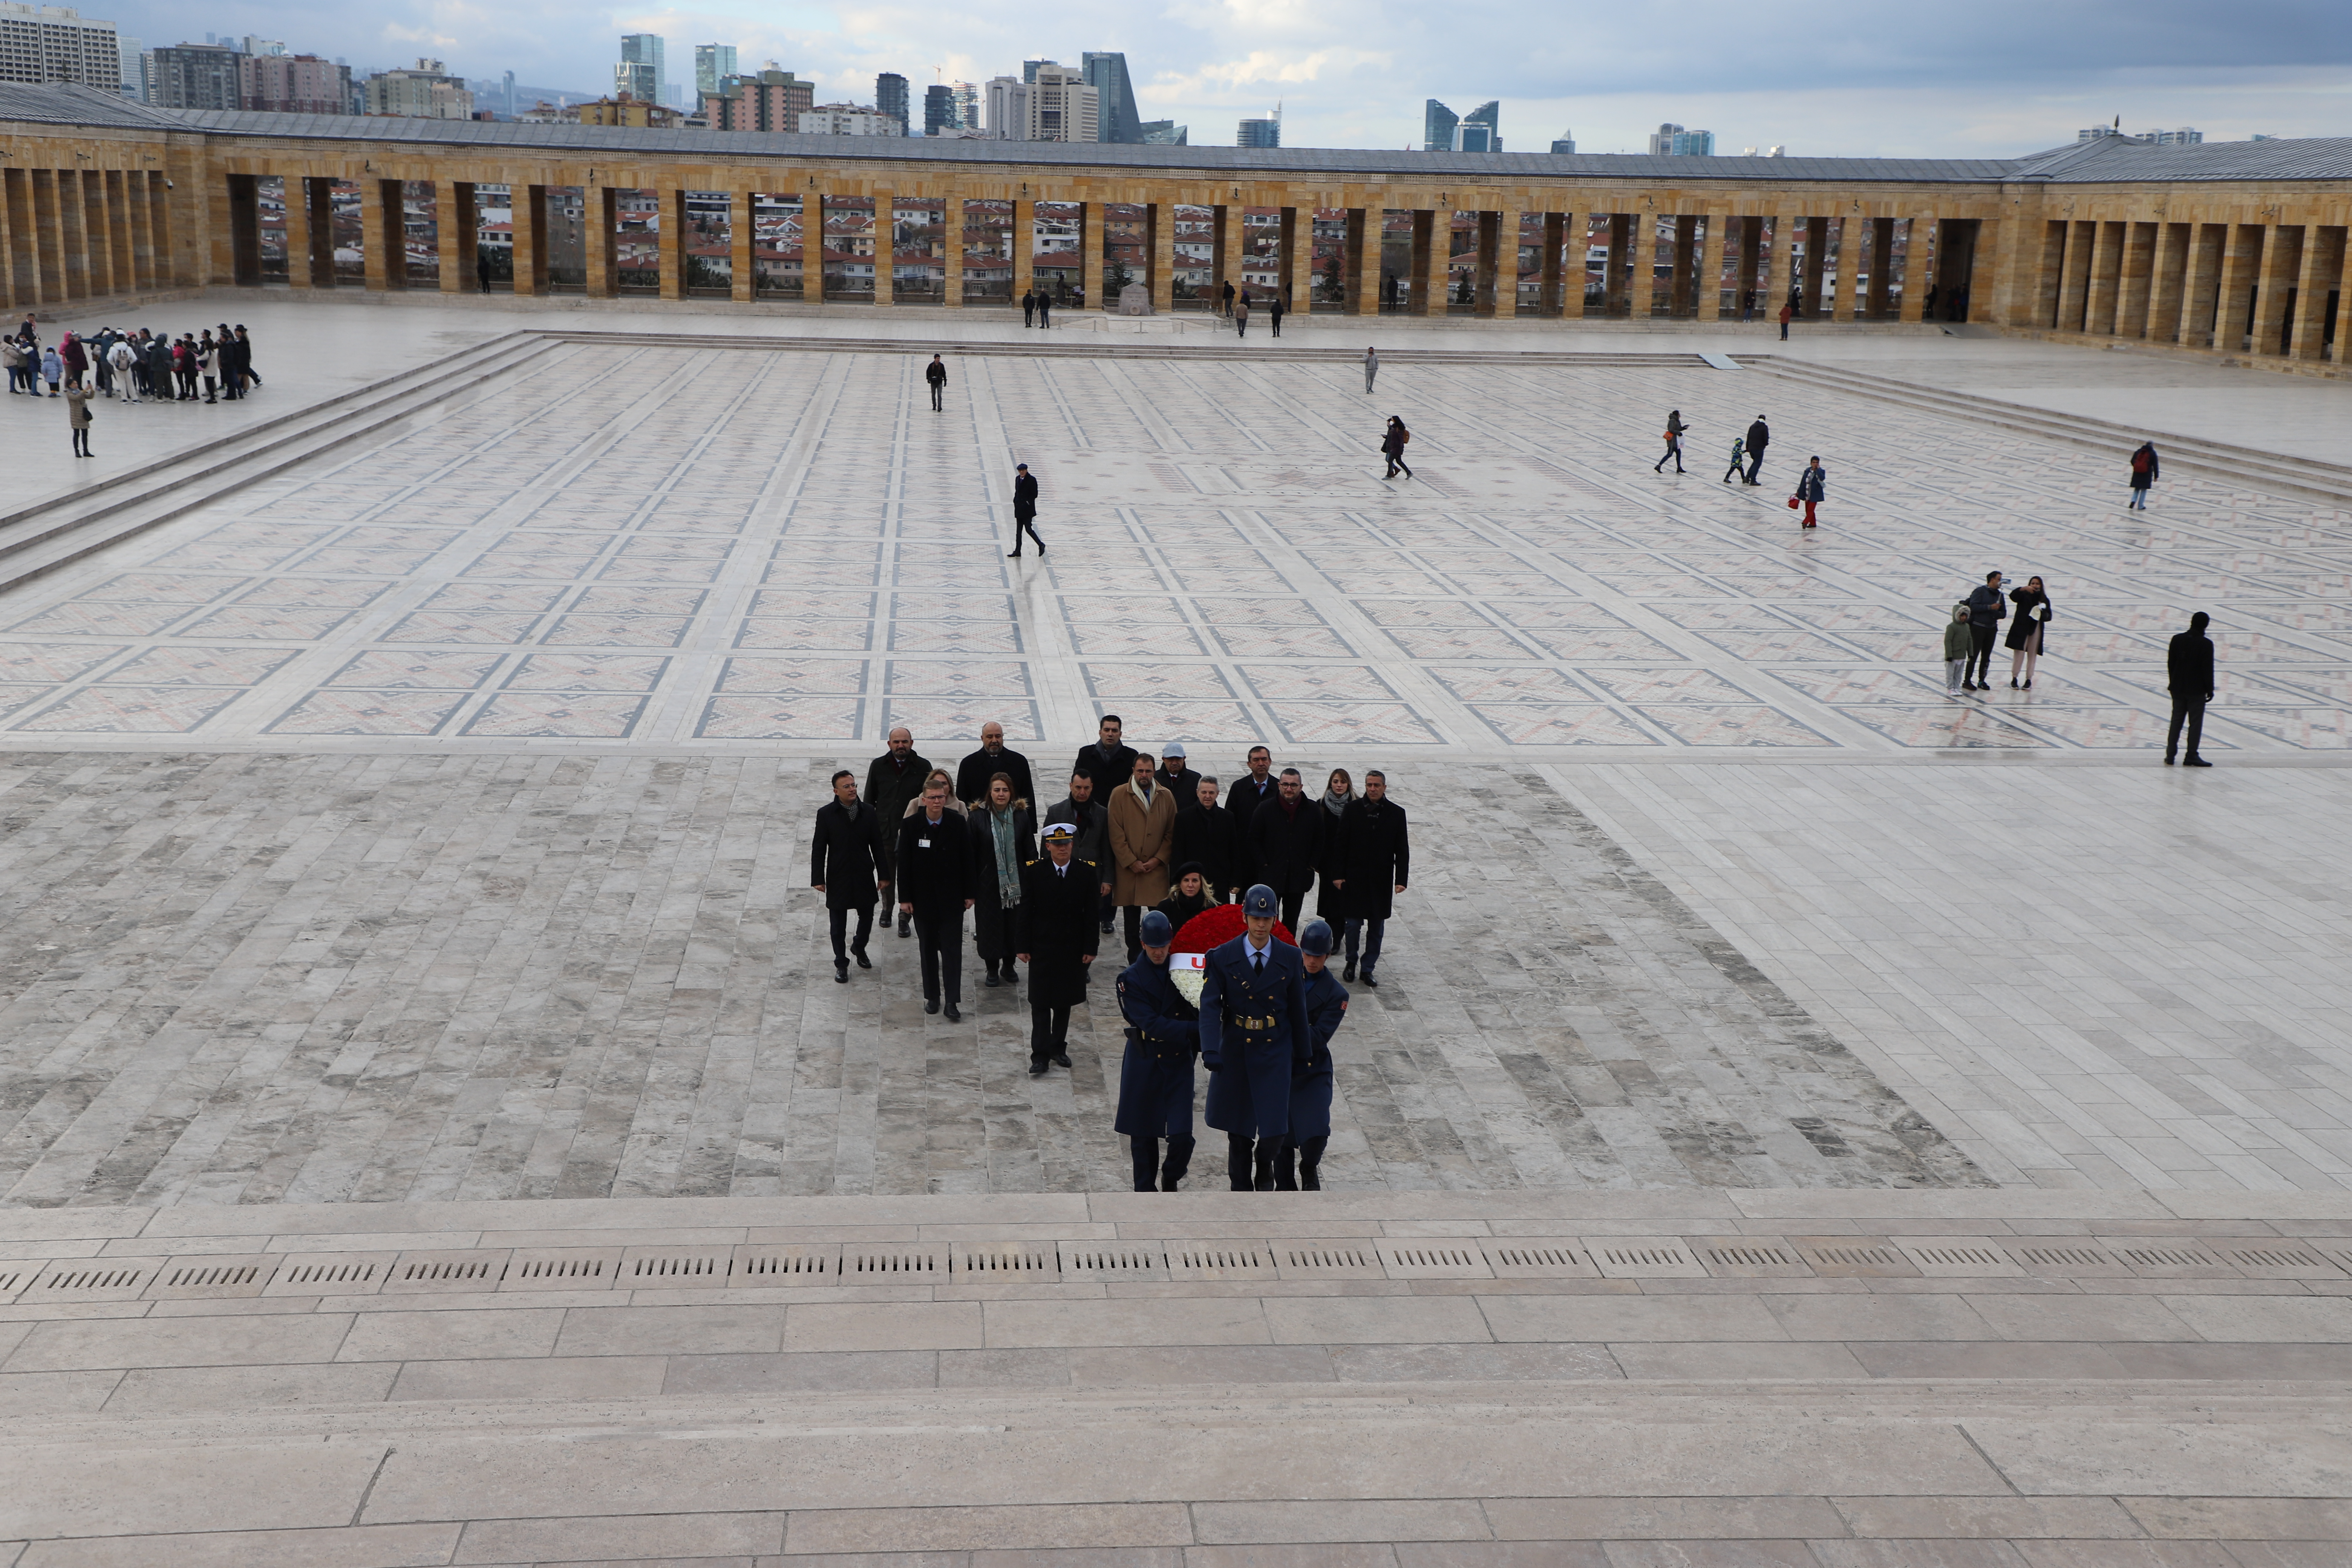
(730, 550)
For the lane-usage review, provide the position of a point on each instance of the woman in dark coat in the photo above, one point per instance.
(1338, 794)
(1003, 839)
(2143, 475)
(2025, 639)
(845, 865)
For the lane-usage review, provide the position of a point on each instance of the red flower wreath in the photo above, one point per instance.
(1214, 928)
(1210, 928)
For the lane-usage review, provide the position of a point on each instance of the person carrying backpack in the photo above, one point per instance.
(1393, 447)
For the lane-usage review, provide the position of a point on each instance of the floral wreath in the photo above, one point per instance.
(1211, 928)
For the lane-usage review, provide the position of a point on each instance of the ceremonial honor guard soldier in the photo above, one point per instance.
(1155, 1079)
(1057, 936)
(1254, 1036)
(1310, 1086)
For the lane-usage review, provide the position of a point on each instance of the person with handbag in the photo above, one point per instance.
(1674, 428)
(78, 416)
(1392, 447)
(2025, 639)
(1812, 486)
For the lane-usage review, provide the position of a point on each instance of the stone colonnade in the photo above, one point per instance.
(76, 232)
(2239, 267)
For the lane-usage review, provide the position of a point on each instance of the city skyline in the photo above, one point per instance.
(1896, 88)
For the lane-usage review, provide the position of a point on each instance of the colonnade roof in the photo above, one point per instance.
(2110, 160)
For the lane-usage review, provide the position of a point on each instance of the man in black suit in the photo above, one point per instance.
(2188, 664)
(1057, 939)
(1204, 835)
(1286, 845)
(1109, 762)
(1251, 790)
(892, 780)
(1369, 865)
(992, 758)
(845, 865)
(934, 890)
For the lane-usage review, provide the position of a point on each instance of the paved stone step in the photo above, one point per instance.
(66, 525)
(2324, 481)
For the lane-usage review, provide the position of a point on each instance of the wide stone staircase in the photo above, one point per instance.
(1824, 1378)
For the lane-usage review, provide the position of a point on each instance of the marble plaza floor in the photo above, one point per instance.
(1805, 1121)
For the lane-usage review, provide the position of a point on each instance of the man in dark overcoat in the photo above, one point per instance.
(1204, 837)
(1310, 1086)
(1155, 1078)
(993, 758)
(1254, 789)
(1286, 838)
(1057, 936)
(1253, 1036)
(892, 780)
(845, 865)
(934, 885)
(1371, 866)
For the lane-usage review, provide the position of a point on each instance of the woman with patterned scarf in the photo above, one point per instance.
(1338, 794)
(1003, 839)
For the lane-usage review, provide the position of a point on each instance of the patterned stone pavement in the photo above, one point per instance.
(263, 978)
(429, 823)
(709, 549)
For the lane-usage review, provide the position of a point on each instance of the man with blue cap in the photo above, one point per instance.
(1310, 1086)
(1155, 1079)
(1253, 1036)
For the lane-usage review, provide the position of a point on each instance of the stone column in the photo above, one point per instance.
(1509, 260)
(2169, 270)
(528, 211)
(886, 248)
(742, 265)
(1025, 248)
(297, 233)
(99, 232)
(1551, 298)
(1817, 256)
(1365, 226)
(2132, 289)
(139, 232)
(1707, 296)
(2105, 280)
(599, 248)
(1878, 234)
(449, 235)
(952, 257)
(2321, 271)
(1298, 259)
(1094, 228)
(1774, 251)
(2282, 261)
(1646, 267)
(1230, 232)
(2240, 271)
(73, 239)
(1486, 263)
(1852, 244)
(670, 242)
(378, 226)
(1432, 256)
(1159, 225)
(812, 247)
(10, 297)
(2208, 244)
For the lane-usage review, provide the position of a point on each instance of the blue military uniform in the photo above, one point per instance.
(1155, 1077)
(1253, 1036)
(1310, 1085)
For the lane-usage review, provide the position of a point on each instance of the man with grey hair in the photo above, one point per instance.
(893, 781)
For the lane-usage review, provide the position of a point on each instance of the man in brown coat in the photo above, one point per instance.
(1142, 834)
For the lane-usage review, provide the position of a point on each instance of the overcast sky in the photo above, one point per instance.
(1858, 78)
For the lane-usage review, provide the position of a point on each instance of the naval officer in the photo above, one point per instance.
(1155, 1080)
(1253, 1036)
(1310, 1086)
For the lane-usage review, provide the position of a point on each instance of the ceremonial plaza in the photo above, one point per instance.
(1807, 1115)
